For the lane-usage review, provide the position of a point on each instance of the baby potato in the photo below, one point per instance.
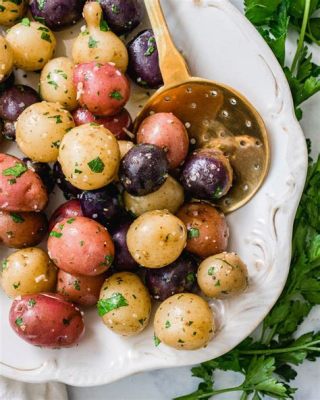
(28, 271)
(169, 196)
(80, 289)
(89, 156)
(6, 58)
(208, 232)
(56, 83)
(184, 321)
(97, 43)
(222, 274)
(156, 239)
(40, 129)
(23, 229)
(33, 45)
(11, 11)
(46, 320)
(125, 146)
(81, 246)
(124, 304)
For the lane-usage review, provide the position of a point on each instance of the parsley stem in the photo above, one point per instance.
(211, 393)
(296, 60)
(308, 346)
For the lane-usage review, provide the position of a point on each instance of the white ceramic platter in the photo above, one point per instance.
(219, 44)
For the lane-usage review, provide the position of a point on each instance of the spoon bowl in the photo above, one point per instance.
(215, 115)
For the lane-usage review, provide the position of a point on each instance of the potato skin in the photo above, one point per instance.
(25, 192)
(184, 322)
(56, 83)
(222, 275)
(170, 196)
(12, 12)
(91, 143)
(40, 129)
(133, 315)
(6, 57)
(33, 45)
(80, 289)
(46, 320)
(167, 131)
(208, 232)
(81, 245)
(21, 230)
(69, 209)
(28, 271)
(156, 239)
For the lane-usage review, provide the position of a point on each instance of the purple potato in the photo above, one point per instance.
(122, 15)
(144, 60)
(207, 174)
(57, 14)
(44, 171)
(7, 83)
(69, 191)
(178, 277)
(15, 99)
(123, 260)
(143, 169)
(101, 205)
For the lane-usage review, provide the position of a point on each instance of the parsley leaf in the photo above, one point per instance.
(96, 165)
(17, 170)
(112, 303)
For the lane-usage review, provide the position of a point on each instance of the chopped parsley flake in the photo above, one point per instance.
(77, 171)
(92, 43)
(190, 277)
(17, 218)
(60, 72)
(32, 302)
(156, 340)
(167, 324)
(193, 233)
(69, 221)
(151, 47)
(104, 27)
(18, 170)
(217, 284)
(56, 144)
(4, 265)
(211, 271)
(41, 4)
(46, 36)
(25, 21)
(57, 118)
(115, 9)
(55, 234)
(116, 95)
(76, 285)
(96, 165)
(16, 285)
(2, 8)
(81, 243)
(19, 321)
(112, 303)
(43, 29)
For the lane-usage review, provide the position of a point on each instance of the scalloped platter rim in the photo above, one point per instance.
(219, 44)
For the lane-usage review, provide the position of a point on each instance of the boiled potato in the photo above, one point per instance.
(33, 45)
(28, 271)
(223, 274)
(97, 43)
(156, 239)
(40, 129)
(184, 321)
(6, 58)
(56, 83)
(89, 156)
(124, 304)
(125, 146)
(11, 11)
(170, 196)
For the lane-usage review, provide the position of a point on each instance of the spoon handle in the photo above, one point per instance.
(172, 64)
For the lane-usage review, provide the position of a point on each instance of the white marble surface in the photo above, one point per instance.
(166, 384)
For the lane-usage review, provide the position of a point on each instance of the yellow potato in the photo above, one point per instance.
(96, 43)
(6, 59)
(11, 11)
(89, 156)
(222, 275)
(124, 304)
(170, 196)
(28, 271)
(56, 83)
(125, 146)
(40, 129)
(156, 239)
(184, 321)
(33, 45)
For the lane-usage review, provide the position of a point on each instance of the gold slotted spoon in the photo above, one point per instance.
(215, 116)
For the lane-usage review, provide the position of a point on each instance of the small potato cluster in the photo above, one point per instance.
(140, 224)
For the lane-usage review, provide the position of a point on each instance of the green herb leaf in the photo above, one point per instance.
(25, 21)
(55, 234)
(76, 284)
(19, 321)
(156, 340)
(41, 4)
(193, 233)
(17, 218)
(32, 302)
(92, 43)
(46, 36)
(16, 171)
(116, 95)
(112, 303)
(104, 27)
(96, 165)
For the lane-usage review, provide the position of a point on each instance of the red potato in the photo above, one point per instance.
(117, 124)
(167, 131)
(69, 209)
(21, 189)
(208, 232)
(81, 246)
(19, 230)
(46, 320)
(80, 289)
(101, 88)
